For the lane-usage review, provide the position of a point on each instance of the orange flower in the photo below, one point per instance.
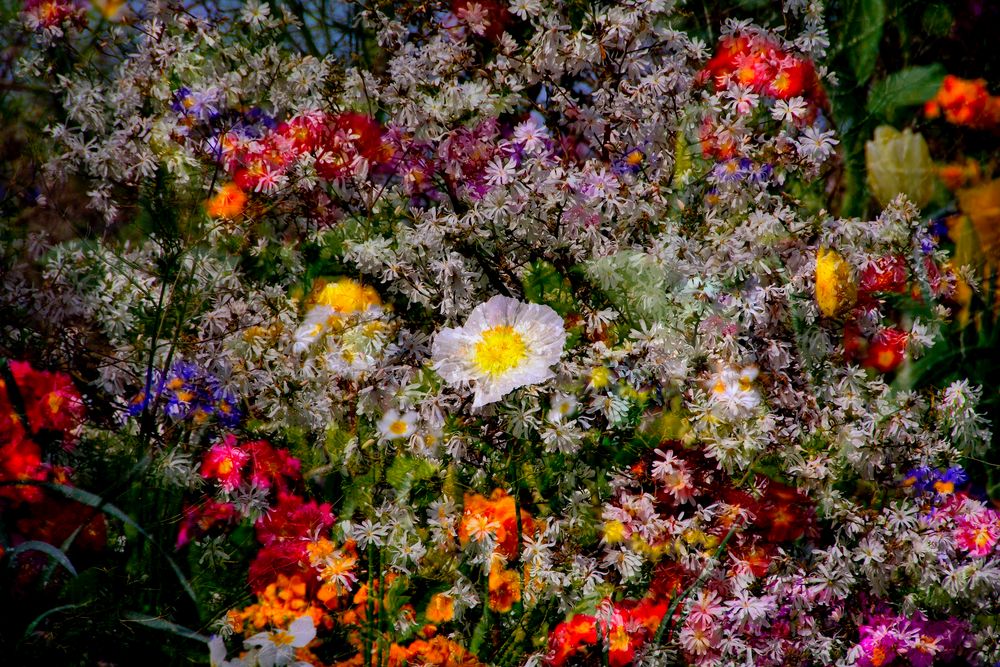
(440, 609)
(279, 604)
(227, 203)
(959, 175)
(965, 102)
(497, 517)
(505, 588)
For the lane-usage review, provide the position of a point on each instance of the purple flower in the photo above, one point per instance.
(629, 163)
(188, 392)
(929, 480)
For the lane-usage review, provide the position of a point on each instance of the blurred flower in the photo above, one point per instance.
(505, 344)
(941, 483)
(958, 175)
(53, 14)
(350, 141)
(886, 350)
(835, 288)
(199, 519)
(228, 202)
(899, 162)
(440, 609)
(504, 588)
(981, 204)
(733, 393)
(965, 102)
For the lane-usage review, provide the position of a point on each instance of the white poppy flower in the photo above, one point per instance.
(505, 344)
(278, 647)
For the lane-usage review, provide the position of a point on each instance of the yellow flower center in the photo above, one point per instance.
(225, 466)
(398, 427)
(944, 488)
(282, 638)
(500, 350)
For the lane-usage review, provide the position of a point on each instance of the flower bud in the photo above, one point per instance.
(899, 162)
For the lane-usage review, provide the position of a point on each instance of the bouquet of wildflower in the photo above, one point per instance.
(476, 333)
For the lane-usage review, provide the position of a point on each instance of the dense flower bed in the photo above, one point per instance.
(486, 333)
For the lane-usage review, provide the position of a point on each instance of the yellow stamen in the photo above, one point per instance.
(501, 349)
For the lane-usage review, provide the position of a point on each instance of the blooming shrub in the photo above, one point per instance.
(513, 336)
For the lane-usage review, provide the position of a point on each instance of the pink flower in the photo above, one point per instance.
(978, 534)
(224, 463)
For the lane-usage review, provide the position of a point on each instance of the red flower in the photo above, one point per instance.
(288, 557)
(786, 513)
(51, 401)
(756, 558)
(270, 466)
(53, 520)
(224, 463)
(570, 637)
(887, 350)
(303, 132)
(886, 274)
(293, 519)
(21, 460)
(200, 519)
(348, 137)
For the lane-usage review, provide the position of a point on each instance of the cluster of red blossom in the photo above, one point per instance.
(288, 526)
(885, 349)
(36, 408)
(759, 64)
(40, 411)
(965, 102)
(342, 144)
(625, 627)
(780, 514)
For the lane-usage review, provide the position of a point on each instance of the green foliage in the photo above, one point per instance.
(405, 471)
(635, 284)
(905, 88)
(865, 21)
(543, 283)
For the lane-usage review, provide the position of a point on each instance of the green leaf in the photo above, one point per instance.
(47, 549)
(865, 21)
(166, 626)
(45, 614)
(544, 284)
(97, 502)
(405, 470)
(907, 87)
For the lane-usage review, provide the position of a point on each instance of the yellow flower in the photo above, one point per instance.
(835, 289)
(899, 162)
(614, 532)
(347, 296)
